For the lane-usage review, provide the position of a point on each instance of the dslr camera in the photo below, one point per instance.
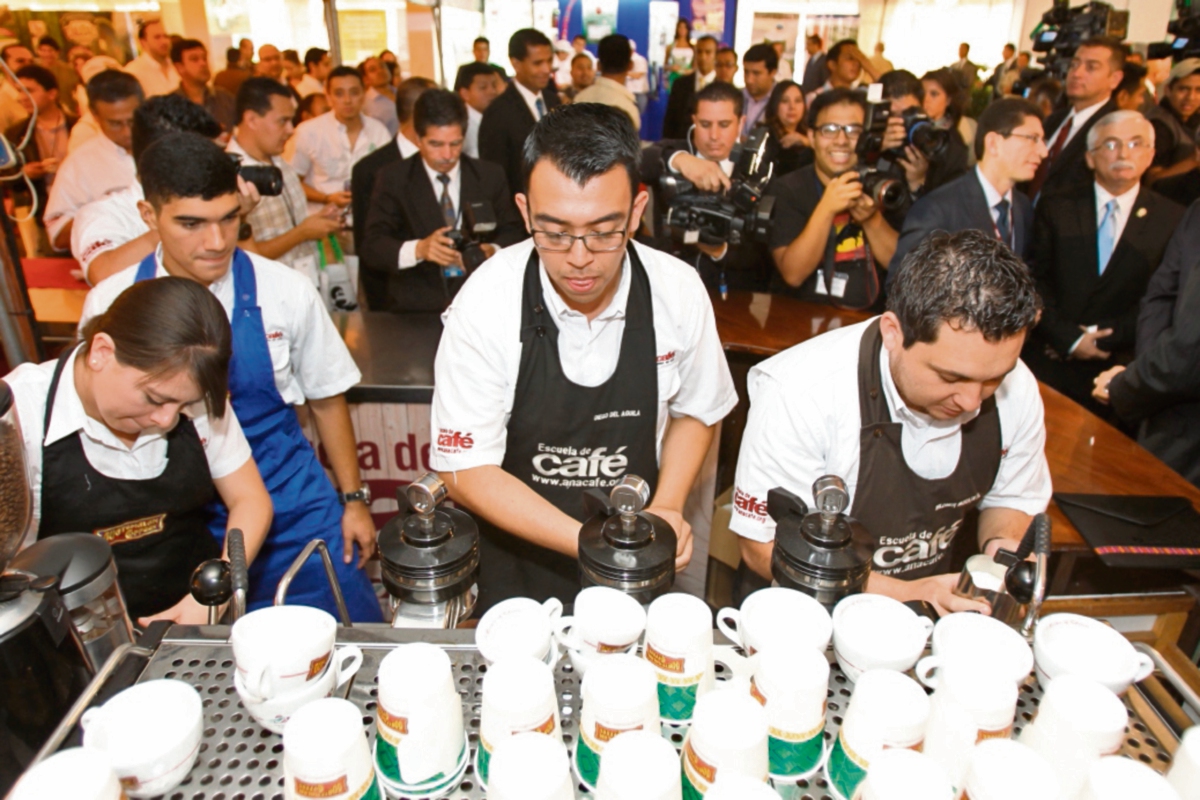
(267, 179)
(1185, 29)
(1063, 29)
(478, 221)
(882, 177)
(740, 215)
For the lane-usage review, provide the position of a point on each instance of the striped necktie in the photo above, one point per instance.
(448, 213)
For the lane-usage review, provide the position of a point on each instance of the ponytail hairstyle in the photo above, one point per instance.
(168, 325)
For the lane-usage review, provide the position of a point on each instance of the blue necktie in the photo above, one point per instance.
(1106, 234)
(1002, 223)
(541, 107)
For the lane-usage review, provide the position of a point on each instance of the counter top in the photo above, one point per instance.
(394, 353)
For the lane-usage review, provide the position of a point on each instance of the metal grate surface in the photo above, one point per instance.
(239, 760)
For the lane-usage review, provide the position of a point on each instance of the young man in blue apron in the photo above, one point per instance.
(926, 412)
(572, 359)
(286, 351)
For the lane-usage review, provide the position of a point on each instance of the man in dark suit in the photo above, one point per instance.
(1093, 76)
(418, 201)
(967, 70)
(512, 115)
(1009, 147)
(1094, 253)
(678, 116)
(815, 70)
(40, 91)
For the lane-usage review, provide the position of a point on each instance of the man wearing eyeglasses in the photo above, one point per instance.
(571, 360)
(1094, 253)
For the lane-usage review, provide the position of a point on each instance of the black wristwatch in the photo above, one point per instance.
(245, 232)
(363, 494)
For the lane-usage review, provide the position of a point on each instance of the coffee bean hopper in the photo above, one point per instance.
(823, 553)
(623, 547)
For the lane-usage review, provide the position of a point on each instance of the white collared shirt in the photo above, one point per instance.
(225, 446)
(531, 99)
(799, 429)
(1077, 119)
(408, 250)
(308, 85)
(323, 156)
(154, 78)
(478, 360)
(993, 197)
(1125, 204)
(471, 138)
(308, 355)
(406, 147)
(705, 80)
(95, 170)
(106, 224)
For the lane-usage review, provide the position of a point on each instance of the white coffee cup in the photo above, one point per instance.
(1070, 643)
(274, 712)
(150, 734)
(776, 614)
(519, 626)
(279, 649)
(679, 646)
(80, 773)
(604, 621)
(871, 631)
(639, 765)
(1119, 778)
(974, 701)
(975, 637)
(1184, 774)
(905, 775)
(729, 734)
(791, 680)
(1001, 769)
(530, 766)
(518, 697)
(732, 786)
(887, 710)
(620, 694)
(419, 726)
(325, 752)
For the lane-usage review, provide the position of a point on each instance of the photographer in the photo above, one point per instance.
(904, 92)
(830, 240)
(414, 214)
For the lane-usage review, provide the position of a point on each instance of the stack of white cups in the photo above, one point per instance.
(620, 693)
(905, 775)
(732, 786)
(605, 622)
(518, 697)
(325, 753)
(728, 735)
(1184, 774)
(679, 645)
(642, 765)
(1119, 778)
(974, 701)
(791, 680)
(776, 614)
(1001, 769)
(530, 766)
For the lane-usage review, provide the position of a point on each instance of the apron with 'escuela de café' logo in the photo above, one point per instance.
(564, 438)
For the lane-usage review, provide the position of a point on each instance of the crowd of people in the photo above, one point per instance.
(1053, 214)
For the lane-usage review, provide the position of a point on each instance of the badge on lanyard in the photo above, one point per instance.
(837, 286)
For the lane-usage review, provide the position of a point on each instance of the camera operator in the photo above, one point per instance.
(904, 91)
(830, 240)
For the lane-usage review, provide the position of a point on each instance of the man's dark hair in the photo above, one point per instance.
(146, 23)
(584, 54)
(291, 56)
(44, 77)
(815, 39)
(407, 94)
(1116, 48)
(185, 165)
(834, 97)
(481, 40)
(50, 41)
(305, 106)
(970, 279)
(468, 72)
(522, 40)
(344, 71)
(762, 54)
(583, 140)
(233, 57)
(708, 37)
(4, 51)
(1003, 117)
(577, 37)
(438, 107)
(255, 95)
(835, 52)
(170, 113)
(182, 46)
(1133, 75)
(728, 50)
(720, 92)
(901, 83)
(614, 54)
(113, 86)
(313, 56)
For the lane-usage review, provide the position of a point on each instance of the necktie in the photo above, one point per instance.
(448, 214)
(1056, 147)
(1002, 223)
(541, 107)
(1106, 233)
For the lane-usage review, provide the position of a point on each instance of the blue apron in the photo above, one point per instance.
(306, 505)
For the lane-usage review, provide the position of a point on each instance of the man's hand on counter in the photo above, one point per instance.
(683, 534)
(186, 612)
(358, 528)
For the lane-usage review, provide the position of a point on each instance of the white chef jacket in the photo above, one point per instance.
(804, 422)
(225, 445)
(307, 353)
(475, 374)
(152, 77)
(323, 157)
(106, 224)
(96, 169)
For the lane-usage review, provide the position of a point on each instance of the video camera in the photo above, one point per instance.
(882, 177)
(1063, 29)
(743, 214)
(1186, 30)
(478, 220)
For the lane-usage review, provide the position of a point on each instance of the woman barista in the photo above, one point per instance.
(128, 435)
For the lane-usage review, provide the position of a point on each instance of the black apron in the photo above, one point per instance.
(157, 527)
(914, 520)
(564, 438)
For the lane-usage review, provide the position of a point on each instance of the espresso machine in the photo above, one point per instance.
(623, 547)
(823, 553)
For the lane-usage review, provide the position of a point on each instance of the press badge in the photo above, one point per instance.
(838, 284)
(307, 266)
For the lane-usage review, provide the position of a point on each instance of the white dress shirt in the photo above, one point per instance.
(308, 85)
(154, 78)
(84, 130)
(95, 170)
(994, 197)
(530, 99)
(478, 360)
(1125, 204)
(225, 445)
(705, 80)
(408, 250)
(323, 156)
(309, 357)
(799, 429)
(471, 137)
(1077, 119)
(405, 147)
(106, 224)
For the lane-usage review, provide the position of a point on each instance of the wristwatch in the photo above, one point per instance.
(363, 494)
(245, 232)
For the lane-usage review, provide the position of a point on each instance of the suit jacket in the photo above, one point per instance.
(816, 72)
(678, 116)
(1069, 172)
(32, 152)
(1160, 388)
(960, 205)
(505, 126)
(362, 187)
(404, 206)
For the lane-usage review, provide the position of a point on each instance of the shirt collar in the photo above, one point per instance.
(1080, 117)
(903, 414)
(68, 417)
(615, 309)
(215, 287)
(235, 146)
(989, 191)
(530, 97)
(433, 175)
(1124, 201)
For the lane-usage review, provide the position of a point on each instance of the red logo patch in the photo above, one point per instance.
(274, 336)
(666, 358)
(749, 504)
(448, 439)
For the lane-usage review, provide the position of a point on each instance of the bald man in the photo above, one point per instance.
(270, 63)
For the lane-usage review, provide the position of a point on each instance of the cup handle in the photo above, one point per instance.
(554, 608)
(927, 624)
(347, 669)
(729, 622)
(1145, 667)
(924, 670)
(564, 639)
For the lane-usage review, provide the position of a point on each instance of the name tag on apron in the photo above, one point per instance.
(837, 285)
